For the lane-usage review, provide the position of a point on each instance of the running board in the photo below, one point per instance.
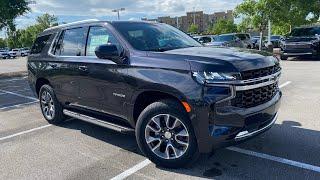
(98, 122)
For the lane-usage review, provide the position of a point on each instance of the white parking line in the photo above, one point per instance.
(132, 170)
(20, 95)
(18, 105)
(277, 159)
(285, 84)
(24, 132)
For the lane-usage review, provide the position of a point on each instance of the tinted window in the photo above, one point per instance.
(205, 39)
(154, 36)
(242, 36)
(40, 43)
(71, 43)
(305, 31)
(99, 36)
(223, 38)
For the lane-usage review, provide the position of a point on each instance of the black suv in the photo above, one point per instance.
(303, 41)
(178, 97)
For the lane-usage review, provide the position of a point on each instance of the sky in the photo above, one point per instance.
(75, 10)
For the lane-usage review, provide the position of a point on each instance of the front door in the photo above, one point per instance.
(102, 85)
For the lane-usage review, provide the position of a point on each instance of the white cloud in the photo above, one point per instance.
(104, 7)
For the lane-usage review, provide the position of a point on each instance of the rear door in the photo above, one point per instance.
(68, 53)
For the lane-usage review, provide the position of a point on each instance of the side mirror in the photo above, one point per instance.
(108, 51)
(201, 41)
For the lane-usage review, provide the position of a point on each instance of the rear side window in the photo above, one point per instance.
(71, 42)
(40, 43)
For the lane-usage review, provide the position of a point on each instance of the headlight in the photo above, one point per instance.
(214, 77)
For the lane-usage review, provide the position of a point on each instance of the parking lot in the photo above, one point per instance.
(33, 149)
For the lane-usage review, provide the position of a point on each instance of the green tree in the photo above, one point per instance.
(26, 37)
(193, 28)
(223, 26)
(3, 43)
(10, 10)
(284, 14)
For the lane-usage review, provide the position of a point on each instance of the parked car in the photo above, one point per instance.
(275, 40)
(227, 40)
(245, 39)
(12, 54)
(303, 41)
(178, 97)
(205, 39)
(17, 51)
(25, 51)
(4, 54)
(255, 40)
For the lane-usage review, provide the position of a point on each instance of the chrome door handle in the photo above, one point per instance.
(83, 68)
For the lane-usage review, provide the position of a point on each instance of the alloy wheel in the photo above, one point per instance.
(167, 136)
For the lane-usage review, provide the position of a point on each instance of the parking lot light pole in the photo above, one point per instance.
(269, 44)
(118, 11)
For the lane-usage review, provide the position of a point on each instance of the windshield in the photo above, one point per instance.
(154, 36)
(223, 38)
(305, 31)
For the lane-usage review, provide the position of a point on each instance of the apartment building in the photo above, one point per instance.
(202, 20)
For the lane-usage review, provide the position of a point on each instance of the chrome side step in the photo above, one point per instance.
(98, 122)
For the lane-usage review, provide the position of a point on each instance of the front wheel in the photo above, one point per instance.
(165, 135)
(50, 106)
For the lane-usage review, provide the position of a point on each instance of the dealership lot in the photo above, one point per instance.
(32, 149)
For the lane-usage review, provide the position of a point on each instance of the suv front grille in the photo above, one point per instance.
(257, 73)
(255, 97)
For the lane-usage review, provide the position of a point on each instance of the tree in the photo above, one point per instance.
(3, 43)
(26, 37)
(224, 26)
(10, 10)
(193, 28)
(284, 14)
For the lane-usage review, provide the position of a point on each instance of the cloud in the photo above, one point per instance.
(104, 7)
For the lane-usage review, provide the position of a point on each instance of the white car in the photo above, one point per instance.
(16, 51)
(12, 54)
(4, 54)
(25, 52)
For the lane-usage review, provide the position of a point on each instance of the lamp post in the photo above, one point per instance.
(118, 11)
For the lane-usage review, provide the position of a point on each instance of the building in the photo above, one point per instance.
(202, 20)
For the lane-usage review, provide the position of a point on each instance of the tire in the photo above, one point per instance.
(185, 154)
(282, 57)
(48, 100)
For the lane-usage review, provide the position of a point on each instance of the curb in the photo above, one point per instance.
(13, 74)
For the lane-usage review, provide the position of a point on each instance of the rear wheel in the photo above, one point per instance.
(165, 135)
(50, 106)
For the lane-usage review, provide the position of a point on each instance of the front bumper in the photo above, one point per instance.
(221, 124)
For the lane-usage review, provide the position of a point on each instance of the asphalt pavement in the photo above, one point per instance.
(33, 149)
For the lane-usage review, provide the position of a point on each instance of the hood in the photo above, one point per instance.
(240, 59)
(300, 39)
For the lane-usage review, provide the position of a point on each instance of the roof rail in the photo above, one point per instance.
(73, 23)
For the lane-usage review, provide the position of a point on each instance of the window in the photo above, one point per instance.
(99, 36)
(205, 39)
(71, 43)
(39, 44)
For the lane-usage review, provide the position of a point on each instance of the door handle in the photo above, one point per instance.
(83, 68)
(53, 65)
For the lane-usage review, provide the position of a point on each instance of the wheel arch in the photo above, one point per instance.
(147, 97)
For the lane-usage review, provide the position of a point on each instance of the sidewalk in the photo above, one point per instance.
(13, 67)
